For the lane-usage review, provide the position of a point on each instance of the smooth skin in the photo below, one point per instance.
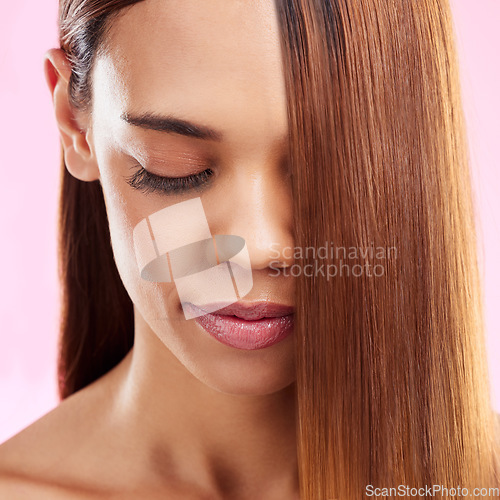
(182, 416)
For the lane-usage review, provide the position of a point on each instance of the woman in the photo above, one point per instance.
(327, 138)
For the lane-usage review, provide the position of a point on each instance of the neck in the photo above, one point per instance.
(216, 440)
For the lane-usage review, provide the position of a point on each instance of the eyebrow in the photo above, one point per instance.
(171, 124)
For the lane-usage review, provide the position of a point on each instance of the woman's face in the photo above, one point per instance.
(218, 65)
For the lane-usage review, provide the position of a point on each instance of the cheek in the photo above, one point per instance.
(125, 208)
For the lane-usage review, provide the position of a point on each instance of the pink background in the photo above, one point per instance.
(29, 187)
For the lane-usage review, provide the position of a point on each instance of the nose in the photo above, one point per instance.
(258, 208)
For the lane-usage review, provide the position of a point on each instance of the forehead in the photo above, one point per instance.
(218, 62)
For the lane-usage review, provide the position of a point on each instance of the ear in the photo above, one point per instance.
(78, 155)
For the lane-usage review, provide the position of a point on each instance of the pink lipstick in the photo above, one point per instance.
(247, 325)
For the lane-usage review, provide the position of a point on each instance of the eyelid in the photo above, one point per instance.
(148, 182)
(182, 162)
(181, 158)
(166, 167)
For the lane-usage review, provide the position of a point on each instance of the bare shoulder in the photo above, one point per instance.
(21, 487)
(52, 457)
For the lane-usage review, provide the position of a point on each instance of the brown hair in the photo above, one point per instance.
(392, 381)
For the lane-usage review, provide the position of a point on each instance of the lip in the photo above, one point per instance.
(247, 325)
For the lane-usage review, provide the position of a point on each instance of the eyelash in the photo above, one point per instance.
(148, 182)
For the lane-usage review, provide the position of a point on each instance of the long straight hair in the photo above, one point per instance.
(392, 380)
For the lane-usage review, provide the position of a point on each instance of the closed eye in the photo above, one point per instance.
(148, 182)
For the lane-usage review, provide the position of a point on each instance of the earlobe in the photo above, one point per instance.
(78, 155)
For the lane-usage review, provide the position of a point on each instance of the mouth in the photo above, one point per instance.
(246, 325)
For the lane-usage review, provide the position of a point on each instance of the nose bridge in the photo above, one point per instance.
(259, 210)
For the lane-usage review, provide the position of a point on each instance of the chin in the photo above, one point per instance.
(268, 380)
(236, 371)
